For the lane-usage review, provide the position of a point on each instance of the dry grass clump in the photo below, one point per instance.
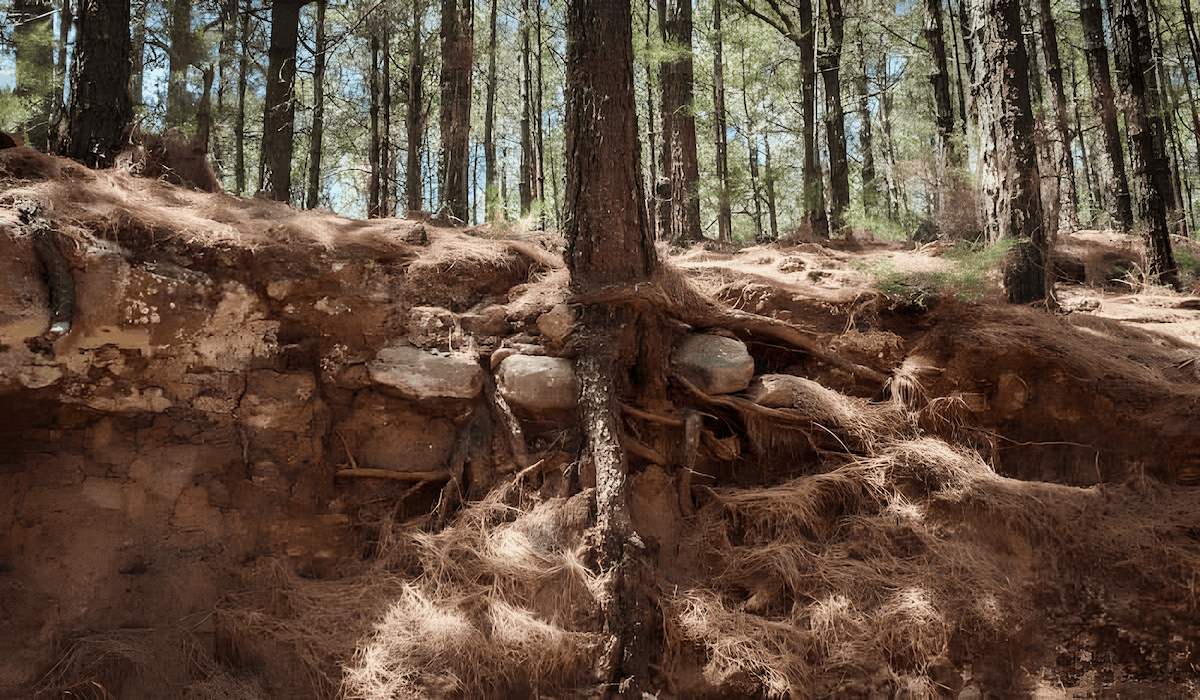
(497, 604)
(116, 662)
(854, 573)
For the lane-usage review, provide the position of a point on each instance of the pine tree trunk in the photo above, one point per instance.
(896, 196)
(679, 126)
(939, 77)
(280, 105)
(870, 188)
(61, 79)
(1177, 216)
(724, 212)
(458, 52)
(812, 197)
(769, 186)
(100, 110)
(525, 183)
(318, 125)
(491, 191)
(1009, 175)
(239, 128)
(608, 241)
(33, 39)
(1065, 164)
(1084, 160)
(1116, 192)
(752, 144)
(374, 150)
(962, 88)
(387, 156)
(181, 54)
(829, 60)
(414, 121)
(539, 141)
(1145, 156)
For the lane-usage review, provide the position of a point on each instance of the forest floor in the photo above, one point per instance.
(927, 493)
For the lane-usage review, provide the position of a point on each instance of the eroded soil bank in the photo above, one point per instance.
(281, 455)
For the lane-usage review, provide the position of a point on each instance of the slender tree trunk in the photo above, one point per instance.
(374, 150)
(1131, 51)
(181, 55)
(1009, 169)
(813, 197)
(318, 125)
(239, 128)
(769, 183)
(491, 196)
(280, 105)
(870, 188)
(829, 59)
(1116, 193)
(539, 141)
(1058, 98)
(525, 183)
(939, 77)
(609, 241)
(458, 52)
(652, 202)
(962, 89)
(1092, 188)
(100, 110)
(138, 34)
(1195, 127)
(896, 196)
(679, 126)
(752, 143)
(1169, 109)
(724, 212)
(59, 118)
(33, 39)
(415, 119)
(387, 159)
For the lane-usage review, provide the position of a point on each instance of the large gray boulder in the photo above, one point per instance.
(418, 374)
(715, 364)
(538, 383)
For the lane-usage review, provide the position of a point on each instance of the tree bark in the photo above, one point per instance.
(752, 144)
(1084, 160)
(870, 188)
(60, 109)
(1009, 174)
(318, 125)
(829, 59)
(181, 55)
(239, 128)
(458, 54)
(939, 78)
(491, 187)
(414, 121)
(769, 186)
(1065, 164)
(1146, 158)
(608, 242)
(724, 211)
(525, 185)
(100, 110)
(1116, 184)
(280, 104)
(679, 126)
(375, 148)
(33, 39)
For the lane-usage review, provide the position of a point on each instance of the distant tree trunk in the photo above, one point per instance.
(375, 149)
(226, 81)
(100, 110)
(491, 191)
(752, 143)
(1009, 168)
(280, 104)
(414, 121)
(679, 126)
(813, 197)
(962, 88)
(1084, 160)
(1168, 109)
(724, 212)
(1191, 101)
(829, 59)
(1146, 158)
(939, 77)
(458, 54)
(1065, 164)
(896, 196)
(318, 125)
(870, 188)
(33, 39)
(387, 156)
(239, 129)
(181, 55)
(525, 183)
(609, 242)
(138, 34)
(1116, 191)
(769, 183)
(59, 126)
(539, 142)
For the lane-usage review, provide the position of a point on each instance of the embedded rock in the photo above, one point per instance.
(778, 390)
(557, 323)
(538, 383)
(416, 374)
(715, 364)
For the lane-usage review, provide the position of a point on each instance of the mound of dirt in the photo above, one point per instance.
(249, 452)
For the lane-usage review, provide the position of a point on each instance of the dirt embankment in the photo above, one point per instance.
(280, 455)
